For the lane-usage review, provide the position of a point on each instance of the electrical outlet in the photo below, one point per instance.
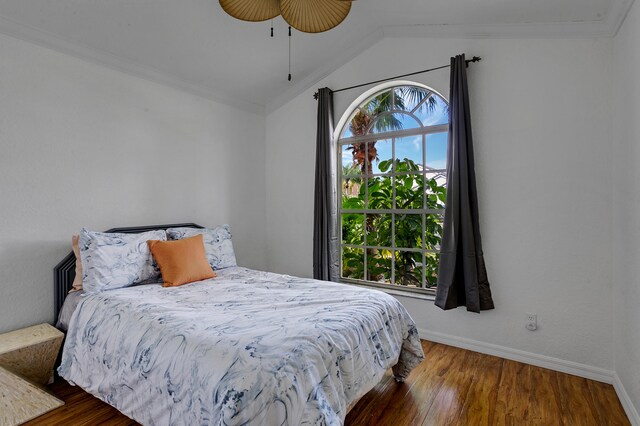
(532, 322)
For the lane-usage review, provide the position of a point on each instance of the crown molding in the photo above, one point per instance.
(617, 15)
(502, 31)
(607, 27)
(54, 42)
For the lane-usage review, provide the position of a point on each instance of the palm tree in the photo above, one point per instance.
(379, 109)
(393, 99)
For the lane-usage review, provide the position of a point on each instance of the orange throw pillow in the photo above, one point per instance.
(181, 261)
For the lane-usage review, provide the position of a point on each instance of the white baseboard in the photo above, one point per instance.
(556, 364)
(626, 401)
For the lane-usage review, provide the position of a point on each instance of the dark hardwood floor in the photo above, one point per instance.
(452, 387)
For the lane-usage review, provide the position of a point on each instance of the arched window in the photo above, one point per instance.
(393, 150)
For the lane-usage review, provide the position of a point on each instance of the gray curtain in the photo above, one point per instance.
(462, 276)
(325, 235)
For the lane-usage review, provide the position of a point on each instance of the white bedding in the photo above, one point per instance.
(247, 347)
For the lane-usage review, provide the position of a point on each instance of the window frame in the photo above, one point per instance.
(341, 142)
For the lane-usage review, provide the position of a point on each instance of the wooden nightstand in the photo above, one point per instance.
(27, 358)
(21, 401)
(31, 352)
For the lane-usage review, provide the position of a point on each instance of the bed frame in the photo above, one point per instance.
(65, 271)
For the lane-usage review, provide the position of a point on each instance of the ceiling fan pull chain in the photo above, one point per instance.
(289, 53)
(272, 28)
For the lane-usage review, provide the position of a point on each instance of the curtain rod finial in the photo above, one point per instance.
(474, 59)
(315, 96)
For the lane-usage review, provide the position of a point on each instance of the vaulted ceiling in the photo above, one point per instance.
(196, 46)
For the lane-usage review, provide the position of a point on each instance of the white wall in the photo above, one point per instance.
(81, 145)
(543, 159)
(626, 206)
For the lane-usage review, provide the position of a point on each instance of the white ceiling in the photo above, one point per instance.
(194, 45)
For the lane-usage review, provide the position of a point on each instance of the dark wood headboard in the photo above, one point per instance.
(65, 271)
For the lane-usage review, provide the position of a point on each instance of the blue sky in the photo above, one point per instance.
(411, 146)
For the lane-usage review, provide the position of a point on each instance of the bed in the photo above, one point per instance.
(247, 347)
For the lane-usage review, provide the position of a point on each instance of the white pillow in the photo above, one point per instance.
(112, 261)
(217, 243)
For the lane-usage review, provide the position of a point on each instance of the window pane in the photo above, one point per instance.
(436, 190)
(352, 193)
(353, 263)
(408, 97)
(379, 103)
(380, 192)
(346, 132)
(409, 191)
(407, 270)
(431, 265)
(402, 173)
(408, 230)
(409, 154)
(349, 166)
(353, 229)
(358, 124)
(379, 266)
(353, 158)
(433, 231)
(378, 156)
(379, 230)
(437, 151)
(389, 122)
(433, 112)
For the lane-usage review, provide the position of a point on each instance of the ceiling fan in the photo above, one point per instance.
(309, 16)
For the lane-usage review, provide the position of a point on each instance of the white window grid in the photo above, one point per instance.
(393, 136)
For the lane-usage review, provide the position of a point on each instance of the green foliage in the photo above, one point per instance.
(398, 99)
(351, 171)
(413, 193)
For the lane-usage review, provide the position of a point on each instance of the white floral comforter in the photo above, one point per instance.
(247, 347)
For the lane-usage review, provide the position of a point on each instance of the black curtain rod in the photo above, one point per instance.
(474, 59)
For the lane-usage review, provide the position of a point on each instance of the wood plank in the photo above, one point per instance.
(480, 405)
(375, 401)
(578, 407)
(21, 400)
(608, 406)
(25, 337)
(31, 352)
(545, 399)
(512, 404)
(421, 386)
(452, 393)
(81, 408)
(372, 407)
